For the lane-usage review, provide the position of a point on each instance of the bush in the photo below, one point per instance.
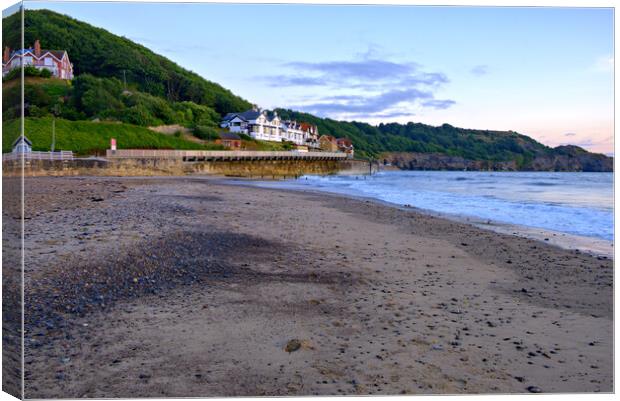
(29, 71)
(14, 73)
(34, 111)
(138, 115)
(191, 114)
(206, 133)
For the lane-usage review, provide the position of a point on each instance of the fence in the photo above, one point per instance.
(212, 155)
(61, 155)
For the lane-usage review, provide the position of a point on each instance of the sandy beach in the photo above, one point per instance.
(189, 286)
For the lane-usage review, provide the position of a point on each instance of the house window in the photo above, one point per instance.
(27, 60)
(48, 61)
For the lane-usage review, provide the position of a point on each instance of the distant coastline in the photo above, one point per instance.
(572, 160)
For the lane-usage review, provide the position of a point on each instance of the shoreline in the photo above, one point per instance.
(566, 241)
(202, 294)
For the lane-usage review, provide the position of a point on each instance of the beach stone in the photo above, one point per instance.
(293, 345)
(534, 389)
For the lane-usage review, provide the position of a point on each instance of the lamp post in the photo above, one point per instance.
(55, 112)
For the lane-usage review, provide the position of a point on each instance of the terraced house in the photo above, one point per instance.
(56, 61)
(267, 126)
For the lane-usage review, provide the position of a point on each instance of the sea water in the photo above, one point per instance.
(574, 203)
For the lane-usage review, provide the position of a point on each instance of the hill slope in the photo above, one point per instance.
(164, 93)
(103, 54)
(421, 146)
(86, 137)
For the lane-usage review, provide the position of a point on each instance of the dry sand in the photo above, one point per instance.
(154, 287)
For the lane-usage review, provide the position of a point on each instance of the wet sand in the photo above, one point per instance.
(154, 287)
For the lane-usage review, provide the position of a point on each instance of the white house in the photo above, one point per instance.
(268, 126)
(22, 149)
(22, 145)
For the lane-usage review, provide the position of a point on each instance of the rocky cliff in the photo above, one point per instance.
(563, 158)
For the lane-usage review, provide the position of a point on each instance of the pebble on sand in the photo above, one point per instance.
(534, 389)
(293, 345)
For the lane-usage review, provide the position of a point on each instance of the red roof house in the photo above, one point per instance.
(56, 61)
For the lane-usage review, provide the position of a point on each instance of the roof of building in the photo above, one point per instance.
(19, 138)
(231, 136)
(307, 126)
(252, 114)
(328, 137)
(344, 141)
(59, 54)
(246, 115)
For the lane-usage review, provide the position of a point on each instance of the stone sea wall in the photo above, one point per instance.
(162, 167)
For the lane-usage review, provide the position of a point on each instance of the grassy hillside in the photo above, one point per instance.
(86, 137)
(472, 144)
(103, 54)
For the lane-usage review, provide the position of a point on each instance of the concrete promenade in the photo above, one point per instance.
(217, 155)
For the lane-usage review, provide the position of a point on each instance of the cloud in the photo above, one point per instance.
(570, 134)
(357, 70)
(286, 80)
(480, 70)
(393, 114)
(439, 104)
(593, 143)
(586, 143)
(365, 87)
(374, 105)
(426, 78)
(604, 64)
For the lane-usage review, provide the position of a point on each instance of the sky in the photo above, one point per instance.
(543, 72)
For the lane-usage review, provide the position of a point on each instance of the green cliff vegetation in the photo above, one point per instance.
(86, 137)
(471, 144)
(88, 97)
(98, 52)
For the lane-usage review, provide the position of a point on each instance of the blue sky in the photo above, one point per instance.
(544, 72)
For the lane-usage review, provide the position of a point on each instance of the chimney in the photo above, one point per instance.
(37, 48)
(6, 55)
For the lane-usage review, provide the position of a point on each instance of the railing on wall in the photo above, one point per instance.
(61, 155)
(206, 155)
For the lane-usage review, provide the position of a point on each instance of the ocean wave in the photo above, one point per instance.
(578, 203)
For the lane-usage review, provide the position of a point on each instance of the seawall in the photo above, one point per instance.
(160, 167)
